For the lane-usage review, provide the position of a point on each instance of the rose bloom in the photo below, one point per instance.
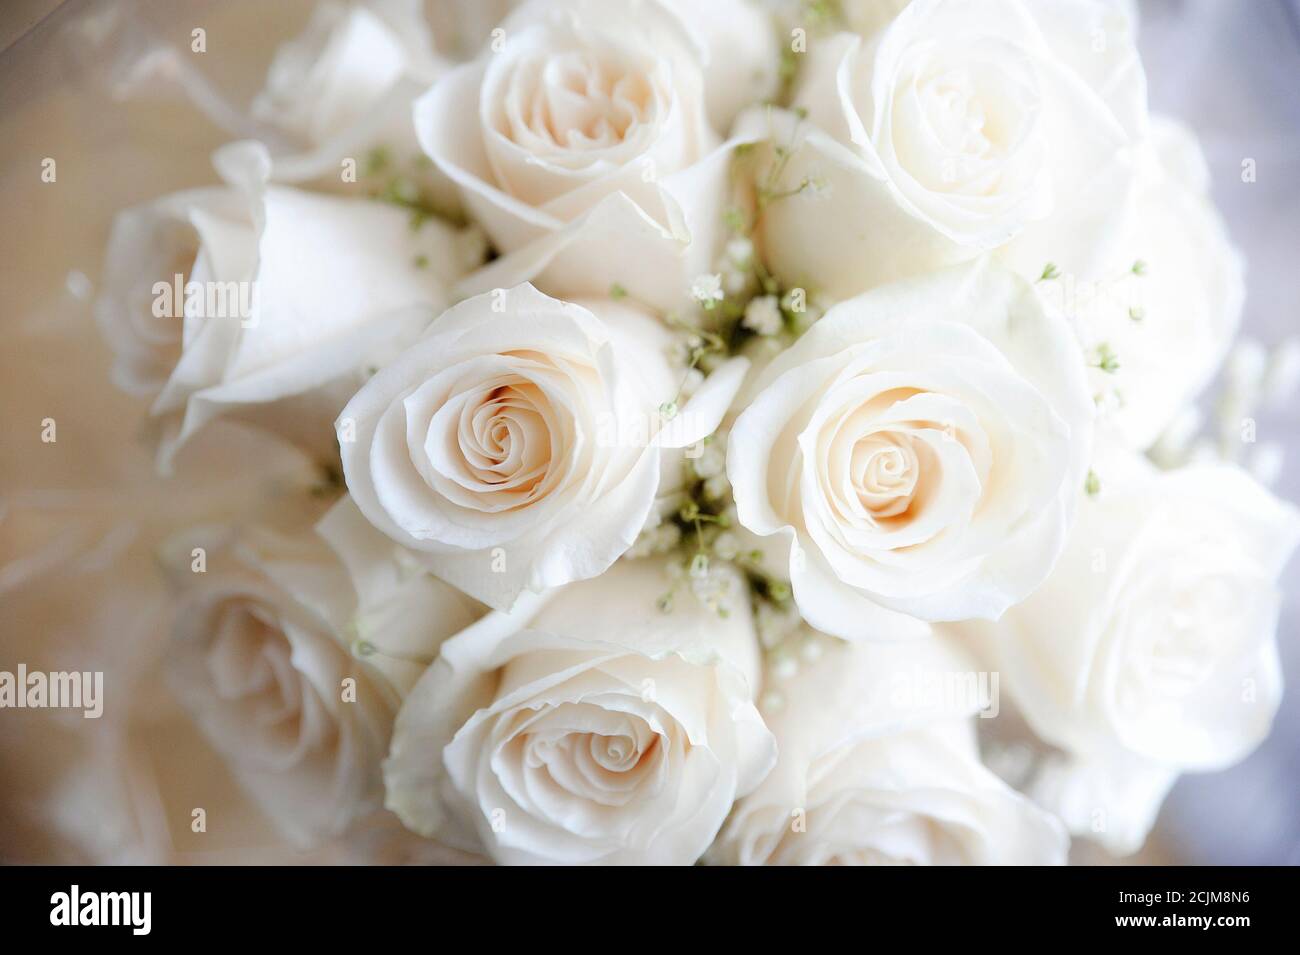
(959, 127)
(518, 444)
(1151, 648)
(920, 450)
(580, 141)
(595, 729)
(874, 770)
(316, 288)
(259, 658)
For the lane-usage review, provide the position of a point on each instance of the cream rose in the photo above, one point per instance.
(961, 126)
(516, 446)
(594, 730)
(1171, 305)
(1150, 650)
(263, 302)
(580, 141)
(920, 449)
(259, 657)
(872, 772)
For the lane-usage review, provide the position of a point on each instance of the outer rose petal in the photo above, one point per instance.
(403, 614)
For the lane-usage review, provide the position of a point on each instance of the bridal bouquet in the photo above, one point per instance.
(746, 433)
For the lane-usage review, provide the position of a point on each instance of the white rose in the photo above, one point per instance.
(284, 298)
(597, 730)
(920, 449)
(1150, 649)
(344, 88)
(1168, 328)
(876, 770)
(259, 659)
(581, 143)
(962, 126)
(517, 444)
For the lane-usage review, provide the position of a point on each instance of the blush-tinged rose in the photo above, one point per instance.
(1151, 648)
(957, 128)
(874, 770)
(517, 445)
(919, 450)
(595, 730)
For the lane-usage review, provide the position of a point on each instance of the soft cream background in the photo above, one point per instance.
(103, 88)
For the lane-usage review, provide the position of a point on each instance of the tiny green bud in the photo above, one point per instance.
(1107, 360)
(699, 565)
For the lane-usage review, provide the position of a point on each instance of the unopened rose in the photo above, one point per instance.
(874, 770)
(596, 730)
(517, 445)
(920, 451)
(959, 127)
(1151, 648)
(264, 302)
(580, 140)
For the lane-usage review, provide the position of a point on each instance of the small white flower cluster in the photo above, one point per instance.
(707, 290)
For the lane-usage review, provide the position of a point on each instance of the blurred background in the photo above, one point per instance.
(108, 88)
